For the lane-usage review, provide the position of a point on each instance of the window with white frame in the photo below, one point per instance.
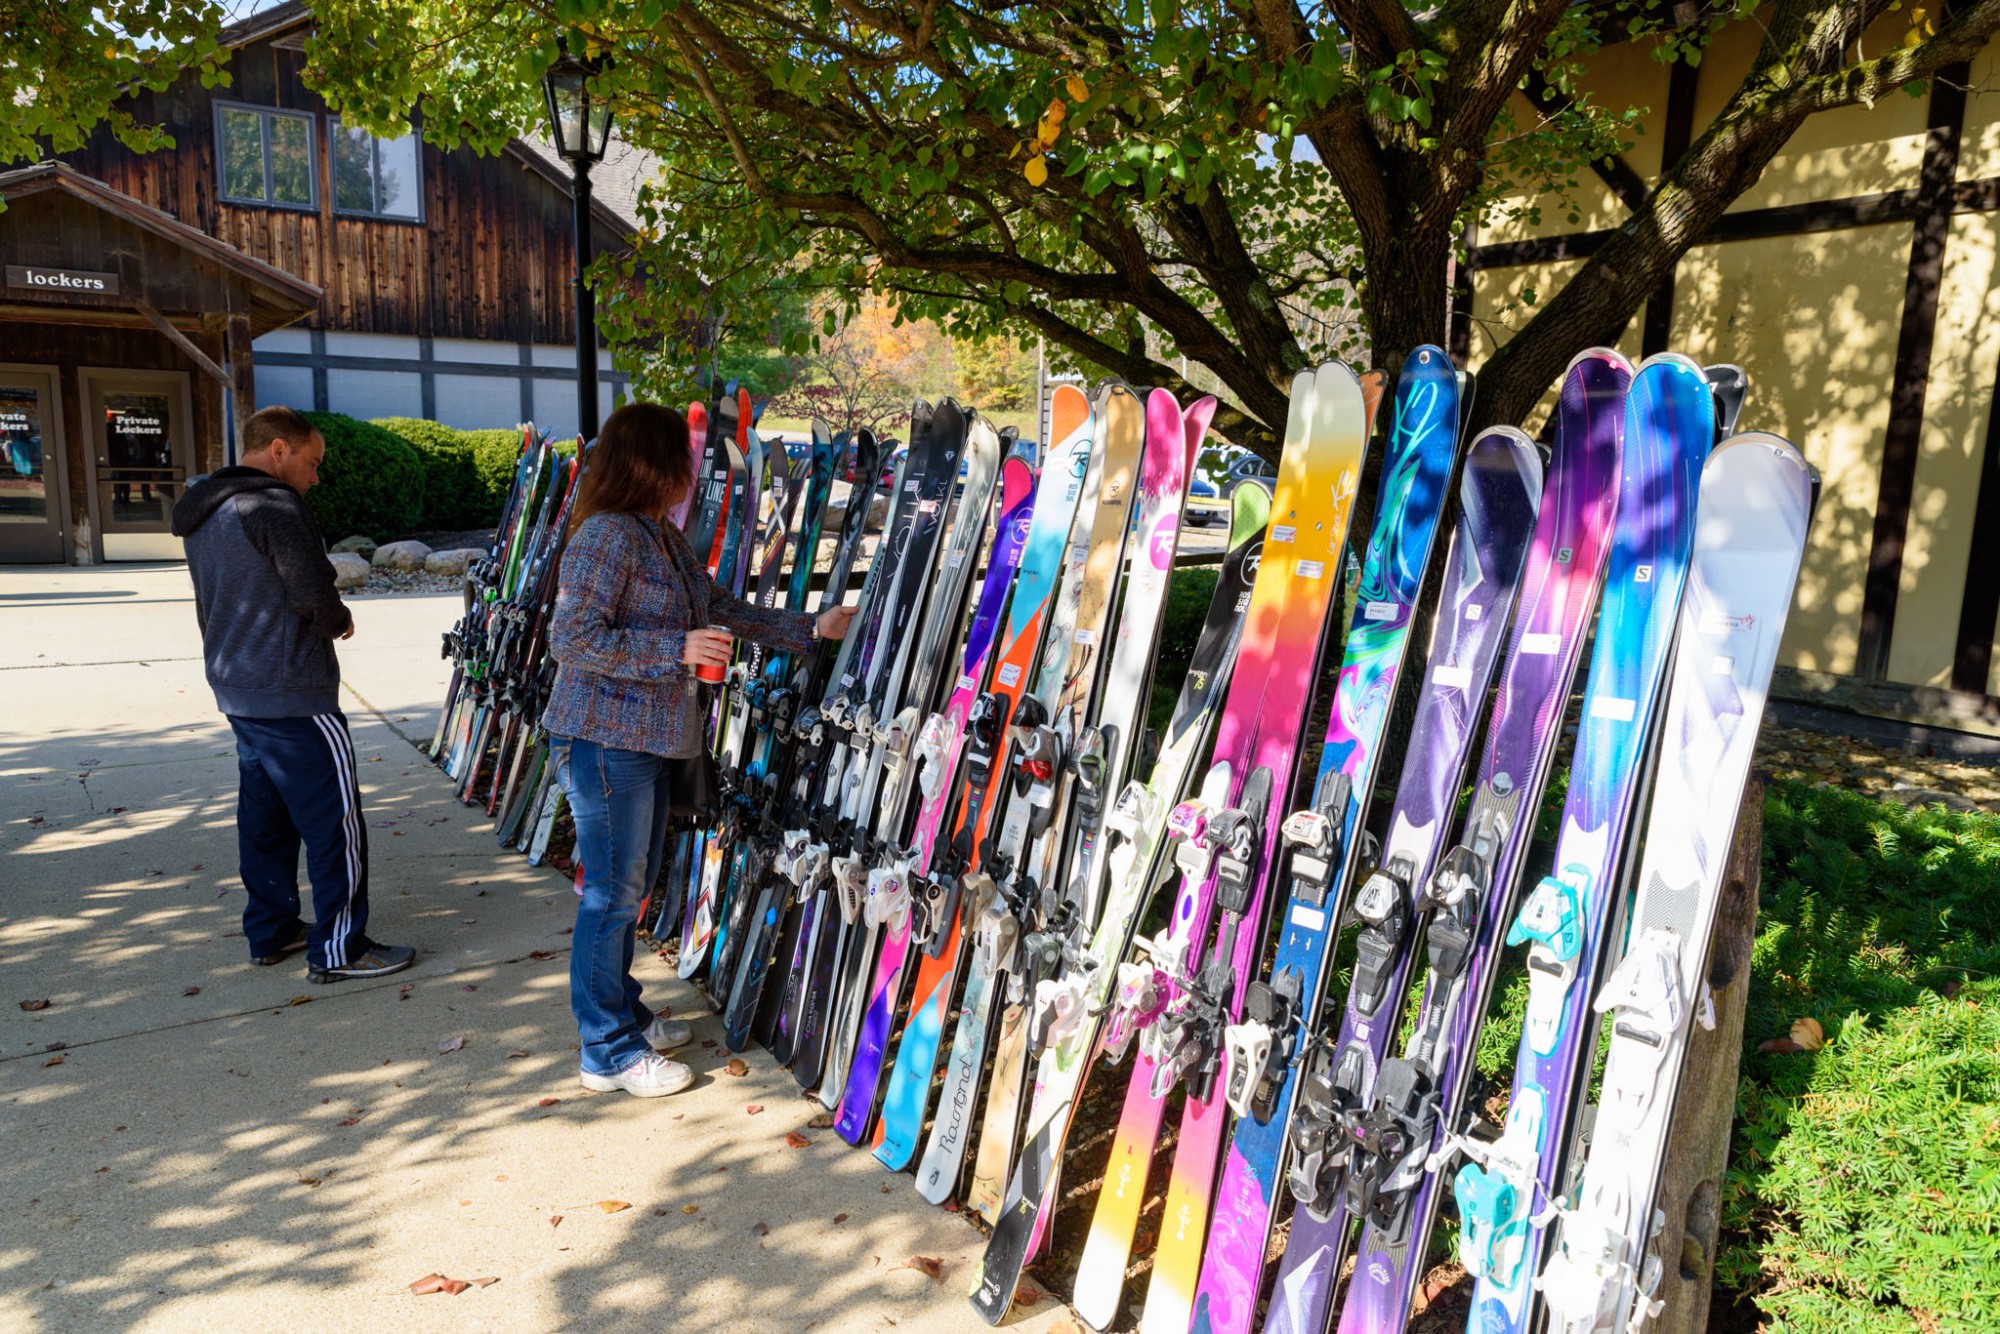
(265, 156)
(376, 178)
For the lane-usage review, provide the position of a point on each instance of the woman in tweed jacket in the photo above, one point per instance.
(636, 612)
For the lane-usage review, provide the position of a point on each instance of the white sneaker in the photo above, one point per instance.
(666, 1034)
(651, 1076)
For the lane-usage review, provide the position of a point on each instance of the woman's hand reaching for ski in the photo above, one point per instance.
(833, 622)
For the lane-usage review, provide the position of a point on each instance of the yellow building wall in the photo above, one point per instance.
(1813, 320)
(1979, 143)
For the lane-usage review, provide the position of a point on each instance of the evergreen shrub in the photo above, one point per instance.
(467, 474)
(371, 481)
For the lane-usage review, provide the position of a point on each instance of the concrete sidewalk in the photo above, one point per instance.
(194, 1143)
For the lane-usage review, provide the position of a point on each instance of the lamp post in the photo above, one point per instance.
(579, 125)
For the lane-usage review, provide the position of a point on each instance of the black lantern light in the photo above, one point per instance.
(580, 127)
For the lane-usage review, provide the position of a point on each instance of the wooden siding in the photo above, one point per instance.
(492, 258)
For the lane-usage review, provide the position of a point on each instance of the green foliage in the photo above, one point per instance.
(69, 64)
(994, 374)
(1188, 596)
(1864, 1182)
(467, 474)
(370, 483)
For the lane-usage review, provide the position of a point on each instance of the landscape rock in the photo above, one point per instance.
(453, 561)
(401, 556)
(358, 545)
(1925, 796)
(349, 570)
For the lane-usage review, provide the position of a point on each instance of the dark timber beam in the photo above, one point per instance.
(1676, 133)
(1934, 207)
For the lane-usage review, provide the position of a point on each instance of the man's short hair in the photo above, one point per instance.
(276, 423)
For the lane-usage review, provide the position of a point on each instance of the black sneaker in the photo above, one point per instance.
(375, 961)
(289, 947)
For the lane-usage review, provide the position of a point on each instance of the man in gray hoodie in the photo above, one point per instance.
(269, 613)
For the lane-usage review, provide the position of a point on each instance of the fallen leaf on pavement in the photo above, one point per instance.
(928, 1265)
(613, 1206)
(838, 1219)
(53, 1060)
(33, 1005)
(555, 1220)
(450, 1044)
(796, 1140)
(428, 1284)
(885, 1190)
(541, 954)
(299, 1000)
(821, 1121)
(548, 1102)
(737, 1066)
(1027, 1293)
(516, 1055)
(1064, 1325)
(754, 1108)
(762, 1229)
(403, 992)
(690, 1208)
(482, 1282)
(190, 991)
(348, 1121)
(310, 1181)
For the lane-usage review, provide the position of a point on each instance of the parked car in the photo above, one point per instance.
(1205, 506)
(1247, 467)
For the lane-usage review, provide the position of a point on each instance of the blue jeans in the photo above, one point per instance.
(619, 801)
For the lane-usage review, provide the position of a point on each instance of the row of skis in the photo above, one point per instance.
(489, 737)
(956, 869)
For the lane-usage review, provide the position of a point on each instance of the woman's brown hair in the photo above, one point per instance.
(640, 460)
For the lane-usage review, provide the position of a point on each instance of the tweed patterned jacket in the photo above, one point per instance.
(628, 593)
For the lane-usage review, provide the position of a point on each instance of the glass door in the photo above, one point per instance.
(32, 500)
(143, 456)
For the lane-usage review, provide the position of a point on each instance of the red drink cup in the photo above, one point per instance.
(711, 674)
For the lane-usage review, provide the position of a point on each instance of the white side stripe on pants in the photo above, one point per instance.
(342, 746)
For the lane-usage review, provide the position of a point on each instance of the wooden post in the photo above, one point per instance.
(242, 379)
(1698, 1147)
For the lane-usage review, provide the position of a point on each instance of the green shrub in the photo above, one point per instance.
(467, 474)
(1864, 1178)
(371, 481)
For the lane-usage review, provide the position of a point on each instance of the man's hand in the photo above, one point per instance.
(709, 648)
(833, 622)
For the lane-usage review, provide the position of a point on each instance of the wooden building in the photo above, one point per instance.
(440, 284)
(125, 348)
(1858, 282)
